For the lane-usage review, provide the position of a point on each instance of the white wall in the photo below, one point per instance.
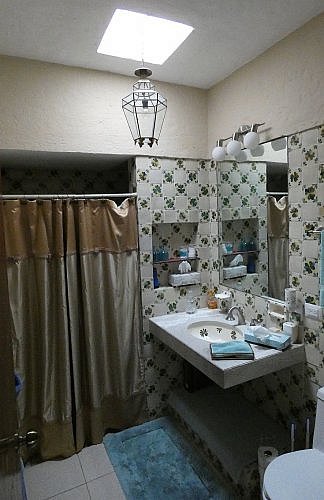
(283, 87)
(49, 107)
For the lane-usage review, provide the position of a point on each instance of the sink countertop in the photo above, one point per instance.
(171, 329)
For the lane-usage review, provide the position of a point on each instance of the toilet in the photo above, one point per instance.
(299, 475)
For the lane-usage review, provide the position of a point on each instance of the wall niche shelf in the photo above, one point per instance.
(241, 253)
(174, 261)
(172, 237)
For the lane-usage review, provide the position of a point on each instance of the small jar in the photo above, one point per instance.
(229, 247)
(164, 254)
(183, 252)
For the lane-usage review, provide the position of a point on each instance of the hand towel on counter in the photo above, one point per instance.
(234, 349)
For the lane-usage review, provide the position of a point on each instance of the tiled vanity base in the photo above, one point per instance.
(230, 429)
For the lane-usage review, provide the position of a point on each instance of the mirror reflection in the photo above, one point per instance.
(253, 226)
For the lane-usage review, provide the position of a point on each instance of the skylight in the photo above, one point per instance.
(131, 35)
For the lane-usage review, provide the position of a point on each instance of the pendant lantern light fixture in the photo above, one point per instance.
(144, 109)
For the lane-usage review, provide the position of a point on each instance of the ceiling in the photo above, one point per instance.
(227, 34)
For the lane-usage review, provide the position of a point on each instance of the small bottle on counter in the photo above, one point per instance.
(211, 300)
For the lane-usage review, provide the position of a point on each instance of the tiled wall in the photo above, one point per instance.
(173, 190)
(290, 395)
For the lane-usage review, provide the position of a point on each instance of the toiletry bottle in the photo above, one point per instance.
(156, 282)
(211, 300)
(251, 264)
(243, 245)
(164, 254)
(191, 252)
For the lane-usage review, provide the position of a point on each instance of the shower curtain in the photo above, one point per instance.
(278, 246)
(75, 304)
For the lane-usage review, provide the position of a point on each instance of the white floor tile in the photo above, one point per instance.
(53, 477)
(79, 493)
(106, 487)
(95, 462)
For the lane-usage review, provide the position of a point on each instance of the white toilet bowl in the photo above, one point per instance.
(295, 476)
(299, 475)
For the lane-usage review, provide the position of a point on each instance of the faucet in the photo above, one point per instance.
(240, 315)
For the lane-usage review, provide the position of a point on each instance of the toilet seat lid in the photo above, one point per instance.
(295, 476)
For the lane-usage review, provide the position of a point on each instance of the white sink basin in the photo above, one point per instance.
(214, 331)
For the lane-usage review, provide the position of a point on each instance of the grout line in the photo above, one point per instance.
(65, 491)
(83, 473)
(88, 491)
(102, 475)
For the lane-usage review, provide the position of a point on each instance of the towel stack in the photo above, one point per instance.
(321, 266)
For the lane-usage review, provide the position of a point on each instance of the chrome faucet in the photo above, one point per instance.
(240, 315)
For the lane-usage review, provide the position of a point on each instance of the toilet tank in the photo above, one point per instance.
(318, 440)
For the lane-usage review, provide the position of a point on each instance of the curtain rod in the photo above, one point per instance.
(63, 196)
(274, 193)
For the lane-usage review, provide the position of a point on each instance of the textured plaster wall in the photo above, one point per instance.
(49, 107)
(283, 87)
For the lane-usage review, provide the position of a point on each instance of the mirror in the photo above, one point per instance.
(253, 220)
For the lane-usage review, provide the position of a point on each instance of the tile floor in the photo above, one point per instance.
(88, 475)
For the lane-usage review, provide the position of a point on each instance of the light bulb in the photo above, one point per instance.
(233, 147)
(218, 153)
(251, 140)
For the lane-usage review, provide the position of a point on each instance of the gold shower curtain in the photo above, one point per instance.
(74, 297)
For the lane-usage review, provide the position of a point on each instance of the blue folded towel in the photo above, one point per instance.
(234, 349)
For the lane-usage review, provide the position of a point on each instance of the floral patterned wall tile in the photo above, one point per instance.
(289, 394)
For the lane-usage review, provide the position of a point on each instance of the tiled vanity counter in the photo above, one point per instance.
(171, 329)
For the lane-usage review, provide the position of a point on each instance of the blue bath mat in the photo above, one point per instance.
(154, 461)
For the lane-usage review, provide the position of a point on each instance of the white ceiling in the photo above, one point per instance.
(227, 34)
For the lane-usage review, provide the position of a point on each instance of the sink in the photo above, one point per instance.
(181, 332)
(214, 331)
